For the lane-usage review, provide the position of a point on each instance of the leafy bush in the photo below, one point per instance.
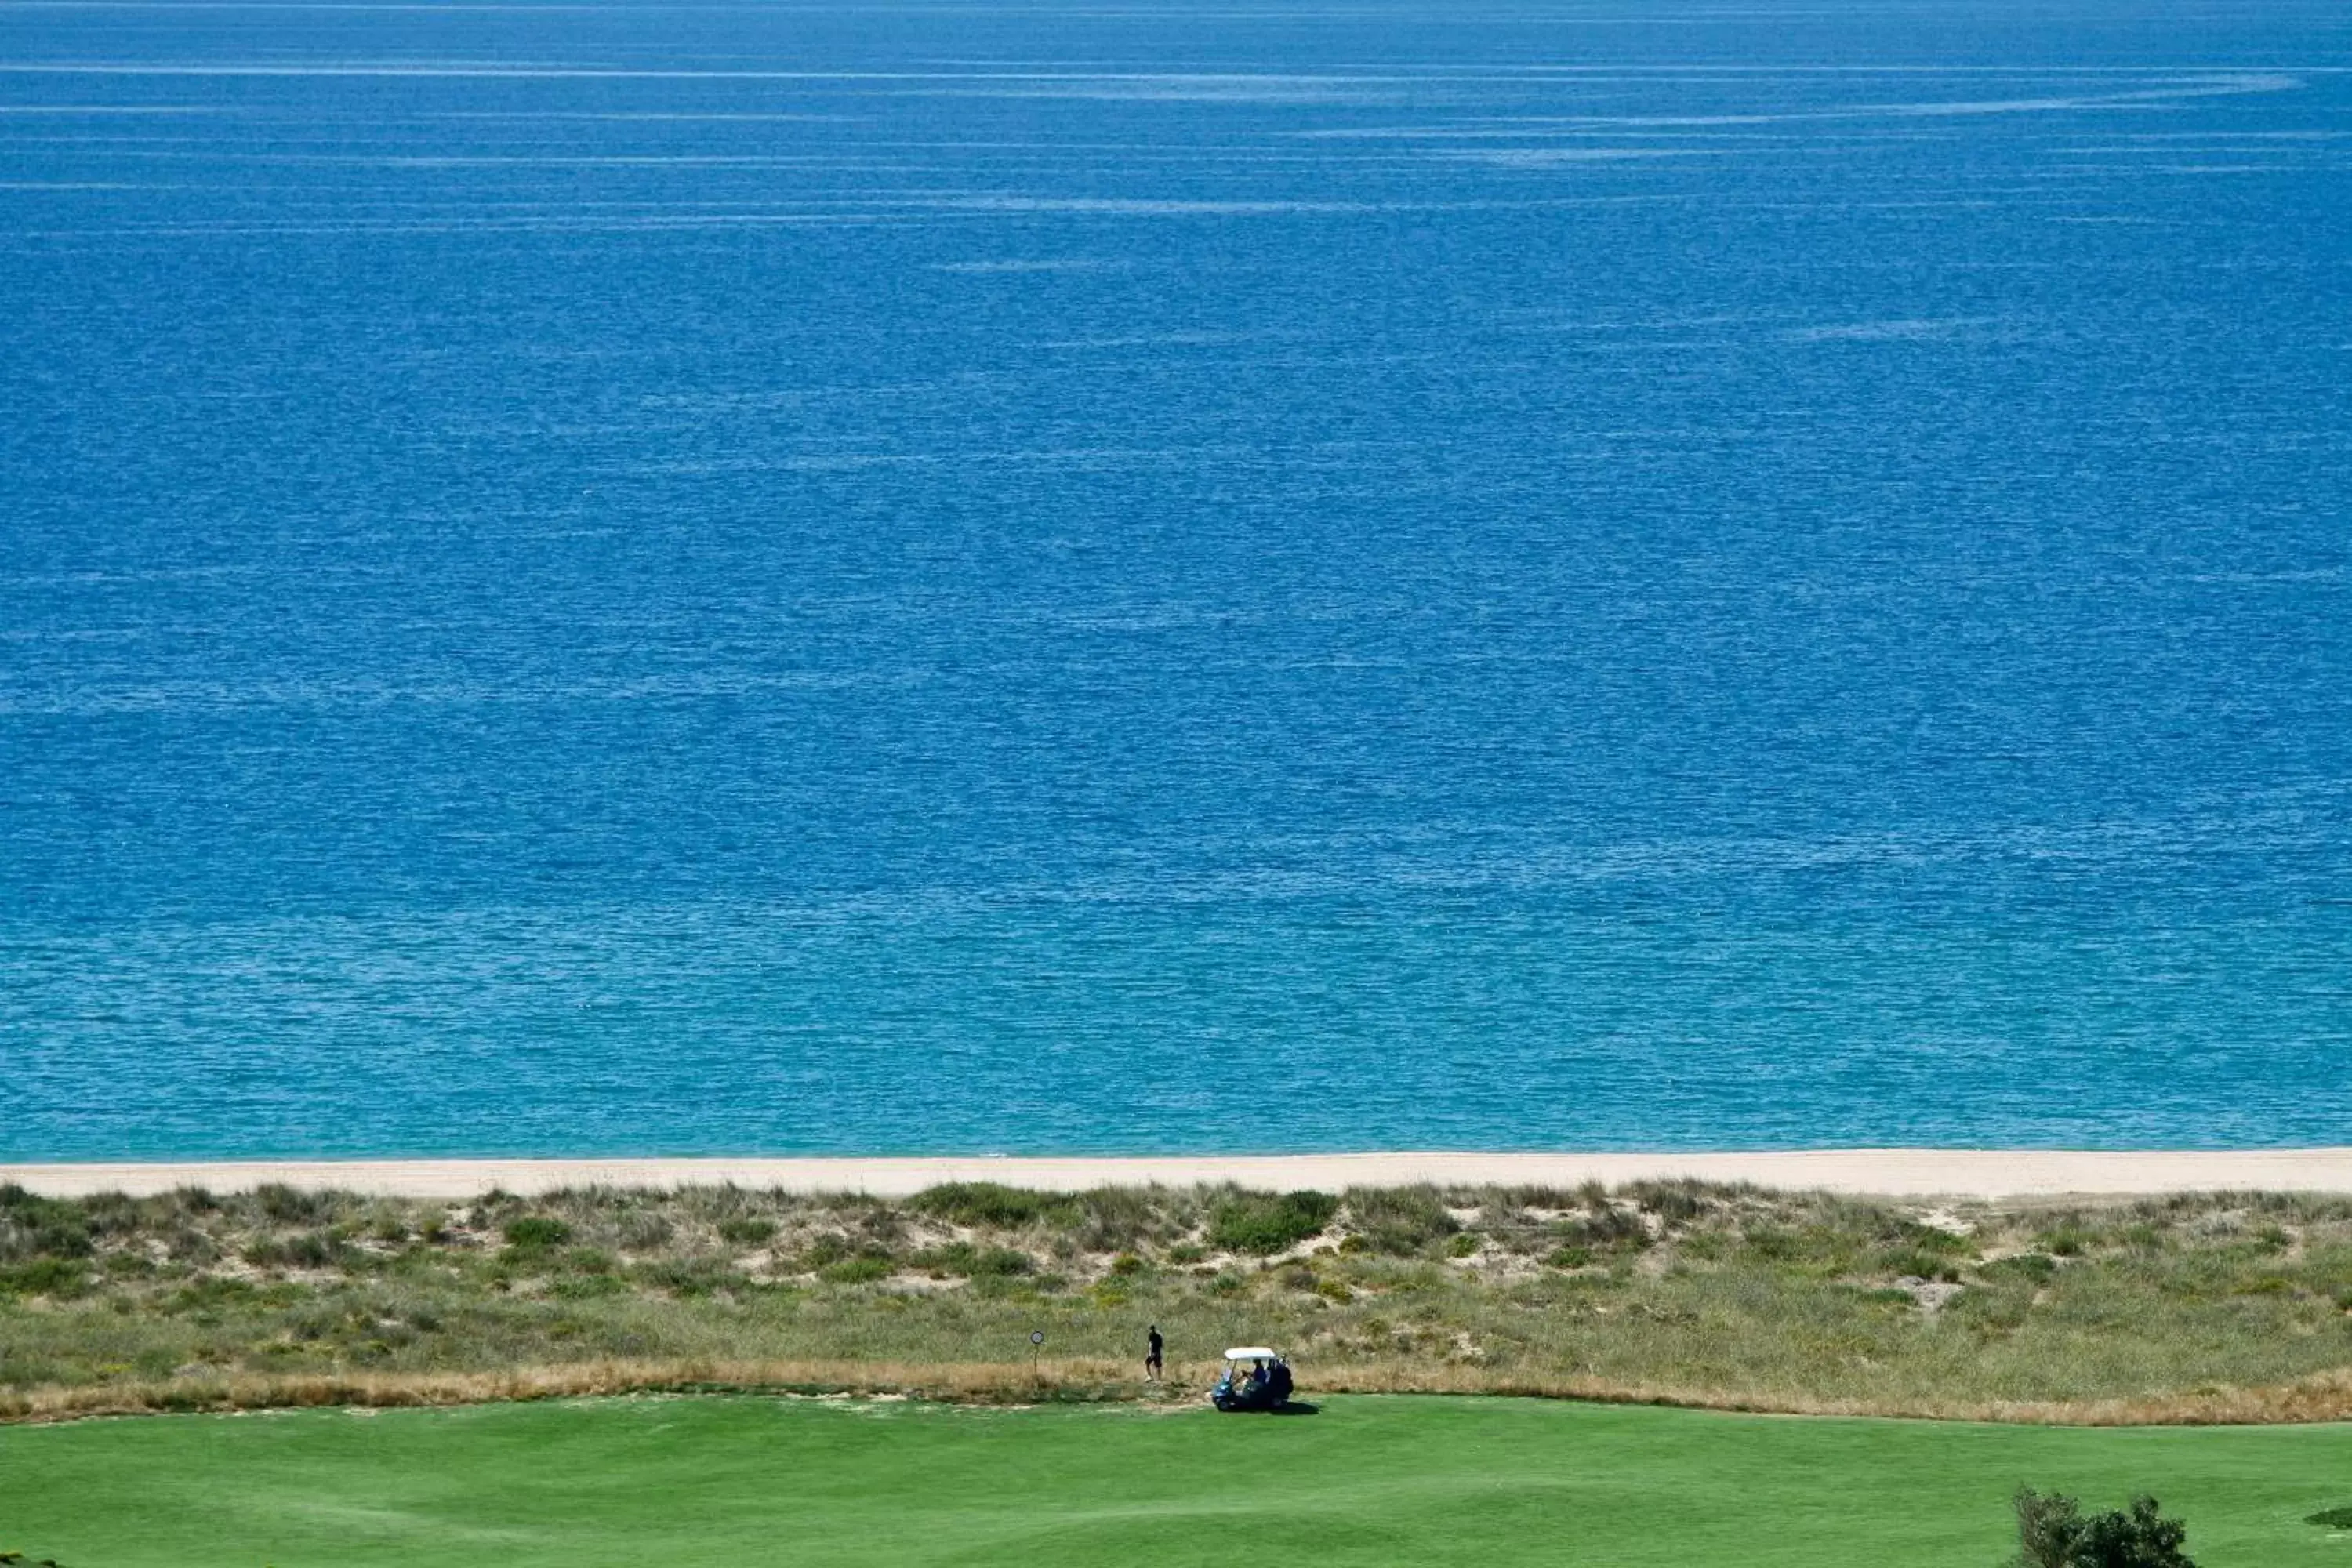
(1263, 1222)
(689, 1277)
(988, 1204)
(535, 1231)
(1916, 1237)
(310, 1249)
(44, 1276)
(292, 1205)
(2053, 1532)
(34, 1226)
(1117, 1219)
(860, 1270)
(1904, 1263)
(644, 1232)
(746, 1232)
(1677, 1203)
(1400, 1221)
(2334, 1519)
(2036, 1268)
(2068, 1240)
(1603, 1230)
(966, 1261)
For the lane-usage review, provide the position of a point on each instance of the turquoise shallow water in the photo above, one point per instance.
(638, 578)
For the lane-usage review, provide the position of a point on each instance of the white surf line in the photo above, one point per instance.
(1890, 1172)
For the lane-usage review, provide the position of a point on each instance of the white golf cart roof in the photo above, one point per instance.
(1252, 1353)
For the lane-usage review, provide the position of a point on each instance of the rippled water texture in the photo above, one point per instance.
(969, 577)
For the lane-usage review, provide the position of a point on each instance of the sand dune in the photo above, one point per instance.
(1958, 1172)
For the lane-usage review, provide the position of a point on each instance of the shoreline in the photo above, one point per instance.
(1982, 1173)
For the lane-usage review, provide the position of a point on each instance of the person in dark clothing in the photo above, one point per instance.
(1151, 1357)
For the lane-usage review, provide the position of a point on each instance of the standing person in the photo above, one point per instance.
(1151, 1357)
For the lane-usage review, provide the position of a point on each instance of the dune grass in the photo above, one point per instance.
(2233, 1307)
(1390, 1481)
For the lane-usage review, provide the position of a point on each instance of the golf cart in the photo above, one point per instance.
(1255, 1379)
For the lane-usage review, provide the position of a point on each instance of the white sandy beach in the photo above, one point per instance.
(1894, 1173)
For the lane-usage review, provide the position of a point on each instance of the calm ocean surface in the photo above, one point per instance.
(643, 578)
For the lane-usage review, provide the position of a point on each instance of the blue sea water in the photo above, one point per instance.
(1173, 574)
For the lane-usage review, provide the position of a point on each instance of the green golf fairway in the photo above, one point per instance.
(1385, 1481)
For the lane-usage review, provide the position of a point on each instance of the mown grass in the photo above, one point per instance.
(2221, 1307)
(1393, 1482)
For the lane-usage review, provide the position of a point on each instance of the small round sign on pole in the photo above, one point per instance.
(1037, 1349)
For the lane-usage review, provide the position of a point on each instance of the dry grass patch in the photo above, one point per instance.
(2213, 1307)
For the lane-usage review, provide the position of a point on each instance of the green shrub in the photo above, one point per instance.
(746, 1232)
(292, 1205)
(860, 1270)
(643, 1232)
(1400, 1221)
(308, 1249)
(2035, 1267)
(56, 1277)
(1677, 1203)
(2053, 1532)
(207, 1294)
(1916, 1237)
(2065, 1241)
(1605, 1228)
(988, 1204)
(689, 1277)
(830, 1248)
(1914, 1264)
(1116, 1219)
(2333, 1518)
(1262, 1223)
(965, 1261)
(1569, 1256)
(34, 1226)
(533, 1232)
